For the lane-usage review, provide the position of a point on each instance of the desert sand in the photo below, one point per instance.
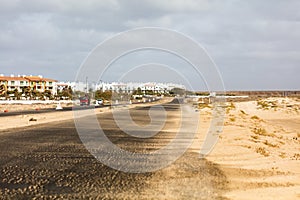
(259, 149)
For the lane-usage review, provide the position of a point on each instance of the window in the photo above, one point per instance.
(21, 82)
(12, 82)
(50, 83)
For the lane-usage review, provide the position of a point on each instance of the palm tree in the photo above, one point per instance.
(67, 93)
(34, 94)
(3, 91)
(47, 94)
(40, 96)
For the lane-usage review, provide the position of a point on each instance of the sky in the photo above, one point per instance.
(255, 44)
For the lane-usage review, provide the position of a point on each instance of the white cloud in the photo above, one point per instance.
(239, 35)
(164, 21)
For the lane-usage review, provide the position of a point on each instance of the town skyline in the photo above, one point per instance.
(29, 86)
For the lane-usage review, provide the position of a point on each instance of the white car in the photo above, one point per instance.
(99, 102)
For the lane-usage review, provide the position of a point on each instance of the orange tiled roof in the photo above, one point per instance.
(9, 78)
(49, 80)
(37, 78)
(26, 78)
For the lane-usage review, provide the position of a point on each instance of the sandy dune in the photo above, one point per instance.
(259, 149)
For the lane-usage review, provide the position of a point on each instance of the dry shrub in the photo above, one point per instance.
(266, 105)
(266, 142)
(262, 131)
(282, 155)
(255, 137)
(262, 104)
(232, 119)
(262, 151)
(232, 106)
(203, 105)
(255, 117)
(243, 112)
(296, 156)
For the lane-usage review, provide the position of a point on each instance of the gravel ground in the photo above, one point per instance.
(50, 162)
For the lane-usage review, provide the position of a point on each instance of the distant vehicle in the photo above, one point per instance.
(84, 101)
(99, 102)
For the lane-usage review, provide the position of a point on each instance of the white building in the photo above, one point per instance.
(131, 86)
(119, 87)
(76, 86)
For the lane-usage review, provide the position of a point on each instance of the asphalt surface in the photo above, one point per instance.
(50, 162)
(45, 110)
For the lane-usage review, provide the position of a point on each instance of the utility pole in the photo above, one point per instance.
(86, 85)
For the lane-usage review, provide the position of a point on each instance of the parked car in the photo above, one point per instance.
(99, 102)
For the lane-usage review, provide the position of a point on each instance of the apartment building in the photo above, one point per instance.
(38, 83)
(41, 84)
(11, 83)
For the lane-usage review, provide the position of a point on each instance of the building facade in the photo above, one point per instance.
(156, 88)
(20, 83)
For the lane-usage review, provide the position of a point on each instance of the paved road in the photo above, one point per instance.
(49, 162)
(44, 110)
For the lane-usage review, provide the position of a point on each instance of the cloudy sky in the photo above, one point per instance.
(255, 44)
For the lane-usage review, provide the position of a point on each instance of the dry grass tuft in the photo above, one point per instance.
(263, 132)
(232, 119)
(255, 117)
(260, 131)
(243, 112)
(255, 137)
(262, 104)
(296, 156)
(282, 155)
(203, 105)
(230, 107)
(262, 151)
(266, 105)
(266, 142)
